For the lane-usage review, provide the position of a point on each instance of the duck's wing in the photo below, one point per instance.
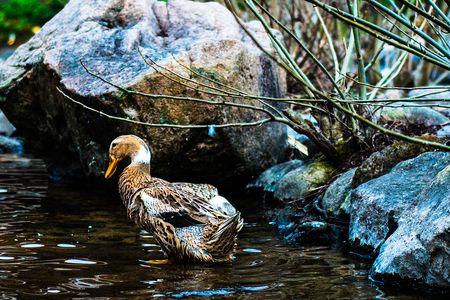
(220, 238)
(209, 192)
(177, 207)
(203, 190)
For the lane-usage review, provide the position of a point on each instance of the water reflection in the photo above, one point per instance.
(67, 242)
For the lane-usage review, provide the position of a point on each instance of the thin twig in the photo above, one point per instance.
(165, 125)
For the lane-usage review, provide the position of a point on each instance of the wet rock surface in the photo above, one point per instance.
(399, 218)
(381, 162)
(8, 144)
(6, 128)
(107, 36)
(301, 182)
(418, 250)
(336, 200)
(377, 205)
(293, 186)
(269, 179)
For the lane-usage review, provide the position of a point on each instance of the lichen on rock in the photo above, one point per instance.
(107, 36)
(336, 198)
(299, 183)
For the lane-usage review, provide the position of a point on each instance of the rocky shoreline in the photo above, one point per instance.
(396, 215)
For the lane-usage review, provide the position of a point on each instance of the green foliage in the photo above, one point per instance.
(20, 16)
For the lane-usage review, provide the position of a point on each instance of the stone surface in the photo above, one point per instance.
(444, 132)
(107, 36)
(419, 250)
(442, 93)
(5, 53)
(6, 128)
(446, 112)
(413, 115)
(9, 145)
(377, 205)
(304, 231)
(381, 162)
(269, 179)
(299, 183)
(336, 199)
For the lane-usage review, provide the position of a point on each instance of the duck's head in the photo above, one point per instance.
(127, 146)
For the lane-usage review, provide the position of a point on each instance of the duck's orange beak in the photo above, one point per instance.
(111, 168)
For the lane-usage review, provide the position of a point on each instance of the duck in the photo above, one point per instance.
(191, 222)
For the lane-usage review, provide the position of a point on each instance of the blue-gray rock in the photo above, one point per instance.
(268, 180)
(446, 112)
(431, 93)
(10, 145)
(299, 183)
(6, 128)
(419, 249)
(302, 232)
(381, 162)
(107, 36)
(444, 132)
(336, 199)
(413, 115)
(377, 205)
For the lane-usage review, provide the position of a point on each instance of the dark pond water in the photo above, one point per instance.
(62, 242)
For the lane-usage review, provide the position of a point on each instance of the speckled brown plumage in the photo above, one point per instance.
(183, 217)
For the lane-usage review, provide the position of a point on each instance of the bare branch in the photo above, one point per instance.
(165, 125)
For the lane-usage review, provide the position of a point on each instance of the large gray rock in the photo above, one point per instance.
(446, 112)
(442, 93)
(336, 199)
(419, 250)
(106, 35)
(5, 53)
(378, 204)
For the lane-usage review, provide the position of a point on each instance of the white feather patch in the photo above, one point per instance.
(222, 205)
(143, 156)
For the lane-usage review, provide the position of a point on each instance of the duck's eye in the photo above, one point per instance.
(114, 145)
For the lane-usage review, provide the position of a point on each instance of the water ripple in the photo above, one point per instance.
(69, 242)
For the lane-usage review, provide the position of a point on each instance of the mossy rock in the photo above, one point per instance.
(336, 199)
(269, 179)
(381, 162)
(299, 183)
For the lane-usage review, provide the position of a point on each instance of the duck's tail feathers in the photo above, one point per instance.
(220, 238)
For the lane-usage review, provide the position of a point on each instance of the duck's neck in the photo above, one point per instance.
(133, 178)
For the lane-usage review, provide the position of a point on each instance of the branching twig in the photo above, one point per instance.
(165, 125)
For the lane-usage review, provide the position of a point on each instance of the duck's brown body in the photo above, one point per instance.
(180, 216)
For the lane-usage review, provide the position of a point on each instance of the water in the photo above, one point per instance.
(67, 242)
